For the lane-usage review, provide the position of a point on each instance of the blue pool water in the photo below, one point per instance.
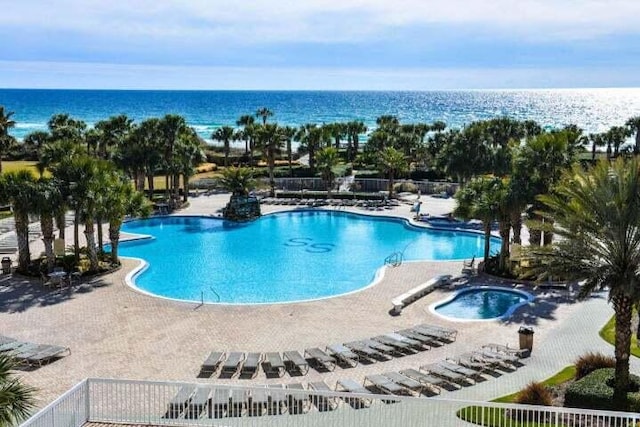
(482, 303)
(282, 257)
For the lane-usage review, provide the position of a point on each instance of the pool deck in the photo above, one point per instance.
(116, 332)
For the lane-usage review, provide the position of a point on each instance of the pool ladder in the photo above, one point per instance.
(212, 290)
(394, 260)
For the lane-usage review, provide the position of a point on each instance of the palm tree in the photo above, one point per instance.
(33, 143)
(264, 112)
(6, 140)
(16, 399)
(481, 199)
(615, 137)
(354, 130)
(238, 181)
(19, 189)
(597, 214)
(596, 140)
(245, 121)
(328, 159)
(288, 134)
(48, 203)
(170, 127)
(119, 201)
(311, 137)
(112, 133)
(270, 140)
(392, 162)
(63, 127)
(634, 126)
(224, 134)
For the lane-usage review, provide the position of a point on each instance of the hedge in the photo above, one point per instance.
(595, 391)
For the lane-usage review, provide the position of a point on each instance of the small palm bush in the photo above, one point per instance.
(16, 398)
(591, 362)
(535, 394)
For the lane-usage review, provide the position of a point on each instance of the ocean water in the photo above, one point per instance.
(594, 110)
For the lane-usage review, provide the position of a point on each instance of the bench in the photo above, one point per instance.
(419, 291)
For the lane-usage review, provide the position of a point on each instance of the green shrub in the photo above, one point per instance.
(595, 391)
(592, 361)
(535, 394)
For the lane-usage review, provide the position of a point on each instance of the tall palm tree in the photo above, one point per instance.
(6, 140)
(392, 162)
(354, 130)
(270, 140)
(170, 127)
(615, 137)
(112, 132)
(327, 160)
(121, 200)
(225, 134)
(48, 203)
(311, 137)
(33, 143)
(596, 140)
(597, 214)
(245, 121)
(19, 189)
(16, 399)
(634, 127)
(189, 154)
(63, 127)
(264, 113)
(288, 134)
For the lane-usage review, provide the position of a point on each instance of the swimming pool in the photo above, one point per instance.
(284, 257)
(482, 303)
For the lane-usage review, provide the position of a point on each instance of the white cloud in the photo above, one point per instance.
(319, 20)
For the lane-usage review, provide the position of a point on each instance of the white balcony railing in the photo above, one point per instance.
(154, 403)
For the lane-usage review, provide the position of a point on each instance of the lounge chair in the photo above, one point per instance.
(384, 384)
(401, 347)
(179, 402)
(341, 352)
(498, 359)
(320, 358)
(219, 406)
(409, 384)
(274, 364)
(258, 401)
(442, 334)
(299, 363)
(321, 402)
(44, 354)
(426, 340)
(198, 403)
(462, 370)
(471, 360)
(362, 349)
(238, 402)
(231, 365)
(211, 364)
(251, 365)
(278, 399)
(348, 385)
(382, 348)
(439, 371)
(417, 344)
(299, 403)
(434, 383)
(499, 348)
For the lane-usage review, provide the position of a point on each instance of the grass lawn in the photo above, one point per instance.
(14, 166)
(495, 417)
(608, 333)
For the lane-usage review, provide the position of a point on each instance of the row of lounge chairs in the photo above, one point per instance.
(193, 402)
(31, 354)
(378, 348)
(310, 202)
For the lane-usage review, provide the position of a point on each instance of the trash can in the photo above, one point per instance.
(6, 265)
(526, 338)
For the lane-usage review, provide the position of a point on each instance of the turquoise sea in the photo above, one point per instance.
(592, 109)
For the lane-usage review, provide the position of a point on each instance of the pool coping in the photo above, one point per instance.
(377, 278)
(529, 299)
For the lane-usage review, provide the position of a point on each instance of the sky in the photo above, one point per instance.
(319, 44)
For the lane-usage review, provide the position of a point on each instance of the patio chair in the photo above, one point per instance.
(320, 358)
(219, 405)
(274, 364)
(297, 361)
(440, 333)
(439, 371)
(413, 343)
(384, 384)
(231, 365)
(462, 370)
(426, 340)
(258, 401)
(499, 348)
(344, 354)
(299, 403)
(179, 402)
(251, 365)
(321, 402)
(362, 349)
(278, 399)
(198, 403)
(471, 360)
(211, 364)
(399, 346)
(44, 354)
(411, 385)
(434, 383)
(348, 385)
(499, 359)
(238, 403)
(382, 348)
